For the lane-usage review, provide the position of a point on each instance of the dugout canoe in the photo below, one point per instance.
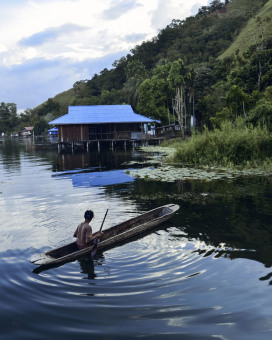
(112, 236)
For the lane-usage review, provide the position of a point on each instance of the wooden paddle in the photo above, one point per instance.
(97, 240)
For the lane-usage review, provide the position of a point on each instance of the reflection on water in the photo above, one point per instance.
(96, 178)
(232, 217)
(204, 274)
(10, 154)
(107, 159)
(87, 267)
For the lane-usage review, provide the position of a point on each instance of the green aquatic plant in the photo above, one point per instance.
(172, 174)
(234, 150)
(233, 145)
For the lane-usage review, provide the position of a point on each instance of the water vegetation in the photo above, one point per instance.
(234, 145)
(187, 174)
(234, 149)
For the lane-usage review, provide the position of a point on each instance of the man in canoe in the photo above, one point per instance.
(84, 232)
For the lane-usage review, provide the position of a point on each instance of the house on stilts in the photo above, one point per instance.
(96, 126)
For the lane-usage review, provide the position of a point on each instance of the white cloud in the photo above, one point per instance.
(50, 34)
(119, 8)
(173, 9)
(47, 45)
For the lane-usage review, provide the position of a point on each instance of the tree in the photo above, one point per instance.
(40, 127)
(135, 75)
(146, 52)
(131, 91)
(26, 118)
(154, 94)
(262, 113)
(135, 69)
(216, 5)
(168, 88)
(50, 106)
(213, 102)
(109, 97)
(8, 116)
(94, 86)
(80, 88)
(178, 79)
(237, 100)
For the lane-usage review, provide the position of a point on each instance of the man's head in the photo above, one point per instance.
(88, 215)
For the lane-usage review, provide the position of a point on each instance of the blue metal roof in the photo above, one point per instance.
(99, 114)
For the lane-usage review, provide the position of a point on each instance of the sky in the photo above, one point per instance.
(48, 45)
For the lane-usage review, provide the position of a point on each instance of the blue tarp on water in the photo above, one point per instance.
(103, 178)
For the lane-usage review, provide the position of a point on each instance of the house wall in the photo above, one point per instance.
(73, 132)
(113, 131)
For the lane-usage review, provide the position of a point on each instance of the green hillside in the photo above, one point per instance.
(252, 31)
(66, 97)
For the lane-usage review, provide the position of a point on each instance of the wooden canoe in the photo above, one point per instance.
(112, 236)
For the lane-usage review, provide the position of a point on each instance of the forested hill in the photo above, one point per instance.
(219, 60)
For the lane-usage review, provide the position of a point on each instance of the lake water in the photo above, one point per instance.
(204, 274)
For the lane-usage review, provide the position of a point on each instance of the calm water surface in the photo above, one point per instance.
(205, 274)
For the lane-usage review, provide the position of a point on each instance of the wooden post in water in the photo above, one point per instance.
(98, 146)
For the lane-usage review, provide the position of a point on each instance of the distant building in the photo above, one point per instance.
(101, 123)
(53, 131)
(15, 134)
(169, 131)
(27, 131)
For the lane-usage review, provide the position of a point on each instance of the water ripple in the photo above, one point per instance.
(162, 284)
